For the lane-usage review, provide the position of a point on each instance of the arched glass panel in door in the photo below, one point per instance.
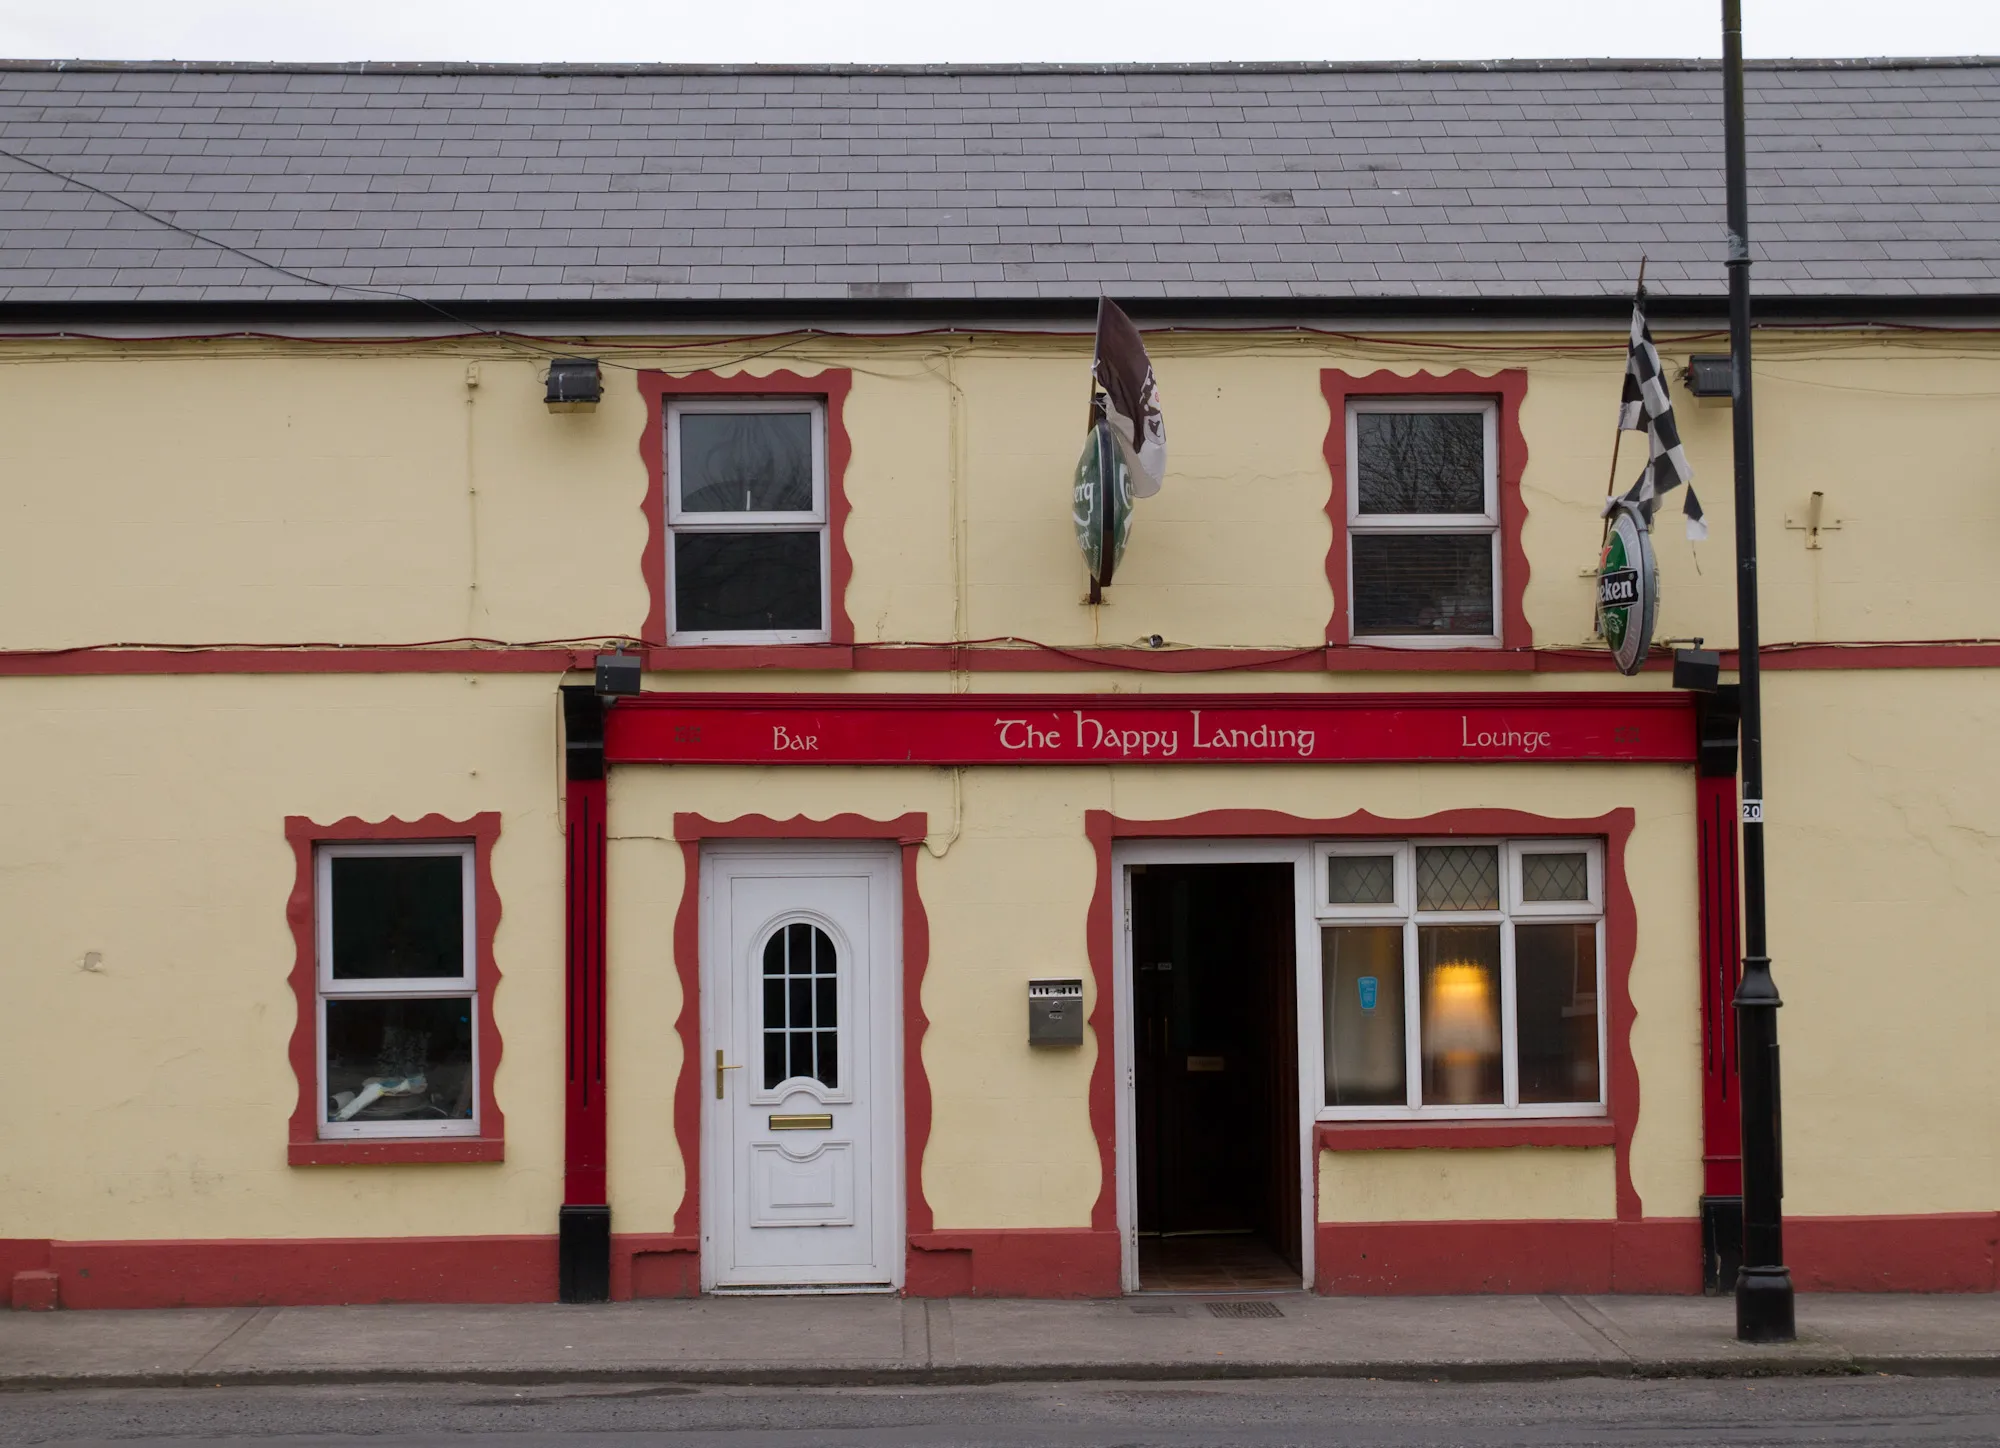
(801, 1007)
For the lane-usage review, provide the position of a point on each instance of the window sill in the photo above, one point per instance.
(1529, 1131)
(1361, 658)
(722, 658)
(378, 1151)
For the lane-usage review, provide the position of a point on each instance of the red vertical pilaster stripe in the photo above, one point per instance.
(1721, 967)
(584, 1151)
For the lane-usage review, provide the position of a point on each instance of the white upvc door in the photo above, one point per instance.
(801, 977)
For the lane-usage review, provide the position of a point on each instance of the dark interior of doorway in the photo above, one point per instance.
(1216, 1057)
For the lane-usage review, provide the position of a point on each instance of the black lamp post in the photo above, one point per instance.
(1764, 1308)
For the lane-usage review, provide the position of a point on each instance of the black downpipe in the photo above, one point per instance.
(1764, 1305)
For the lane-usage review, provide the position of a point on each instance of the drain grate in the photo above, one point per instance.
(1244, 1309)
(1155, 1309)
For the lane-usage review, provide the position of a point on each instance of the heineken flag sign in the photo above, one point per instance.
(1628, 588)
(1124, 450)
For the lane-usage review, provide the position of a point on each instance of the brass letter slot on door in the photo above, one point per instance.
(805, 1121)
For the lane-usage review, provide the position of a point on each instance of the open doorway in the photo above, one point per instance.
(1216, 1087)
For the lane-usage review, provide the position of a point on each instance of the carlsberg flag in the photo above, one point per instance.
(1646, 407)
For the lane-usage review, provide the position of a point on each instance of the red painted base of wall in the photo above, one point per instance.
(294, 1272)
(1941, 1253)
(654, 1265)
(1022, 1262)
(1955, 1252)
(1660, 1255)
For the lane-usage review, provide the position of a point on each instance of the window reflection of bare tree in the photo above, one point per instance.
(1422, 462)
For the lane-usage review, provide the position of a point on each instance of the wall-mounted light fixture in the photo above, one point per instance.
(575, 385)
(1710, 376)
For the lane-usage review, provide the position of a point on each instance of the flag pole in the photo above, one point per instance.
(1617, 437)
(1764, 1300)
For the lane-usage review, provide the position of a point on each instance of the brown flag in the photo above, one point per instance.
(1124, 394)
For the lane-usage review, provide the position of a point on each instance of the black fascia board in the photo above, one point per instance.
(560, 315)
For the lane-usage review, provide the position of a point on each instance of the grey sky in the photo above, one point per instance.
(887, 31)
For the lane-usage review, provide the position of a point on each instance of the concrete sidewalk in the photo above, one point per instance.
(830, 1340)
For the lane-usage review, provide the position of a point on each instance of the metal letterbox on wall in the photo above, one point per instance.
(1055, 1013)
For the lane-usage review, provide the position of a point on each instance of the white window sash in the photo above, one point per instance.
(1487, 522)
(460, 987)
(811, 520)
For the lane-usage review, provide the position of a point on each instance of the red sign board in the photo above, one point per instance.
(1147, 729)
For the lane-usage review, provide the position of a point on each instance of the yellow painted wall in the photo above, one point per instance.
(1883, 817)
(281, 492)
(143, 820)
(1516, 1184)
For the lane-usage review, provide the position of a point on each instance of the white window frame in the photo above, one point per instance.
(465, 985)
(1512, 909)
(679, 521)
(1488, 522)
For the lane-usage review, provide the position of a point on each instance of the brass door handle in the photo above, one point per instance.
(719, 1069)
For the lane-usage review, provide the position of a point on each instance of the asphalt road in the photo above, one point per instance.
(1871, 1410)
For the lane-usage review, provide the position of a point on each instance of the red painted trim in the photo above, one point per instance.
(781, 728)
(1716, 827)
(1428, 1135)
(907, 832)
(35, 1291)
(1953, 1252)
(305, 1271)
(725, 659)
(1015, 1262)
(1508, 389)
(993, 658)
(662, 1264)
(1945, 1252)
(1656, 1255)
(1101, 828)
(316, 659)
(687, 1026)
(585, 1113)
(305, 1147)
(1104, 829)
(390, 1153)
(830, 386)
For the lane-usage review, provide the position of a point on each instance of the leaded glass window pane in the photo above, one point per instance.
(1361, 880)
(801, 1007)
(1458, 877)
(1549, 878)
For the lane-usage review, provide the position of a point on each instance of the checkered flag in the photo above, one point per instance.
(1646, 407)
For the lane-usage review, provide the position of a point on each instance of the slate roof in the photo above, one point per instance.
(1522, 180)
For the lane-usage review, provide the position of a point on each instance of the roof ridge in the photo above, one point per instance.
(1258, 67)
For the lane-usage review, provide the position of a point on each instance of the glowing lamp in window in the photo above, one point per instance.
(1461, 1029)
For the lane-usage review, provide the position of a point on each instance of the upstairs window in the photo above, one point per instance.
(747, 558)
(1423, 521)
